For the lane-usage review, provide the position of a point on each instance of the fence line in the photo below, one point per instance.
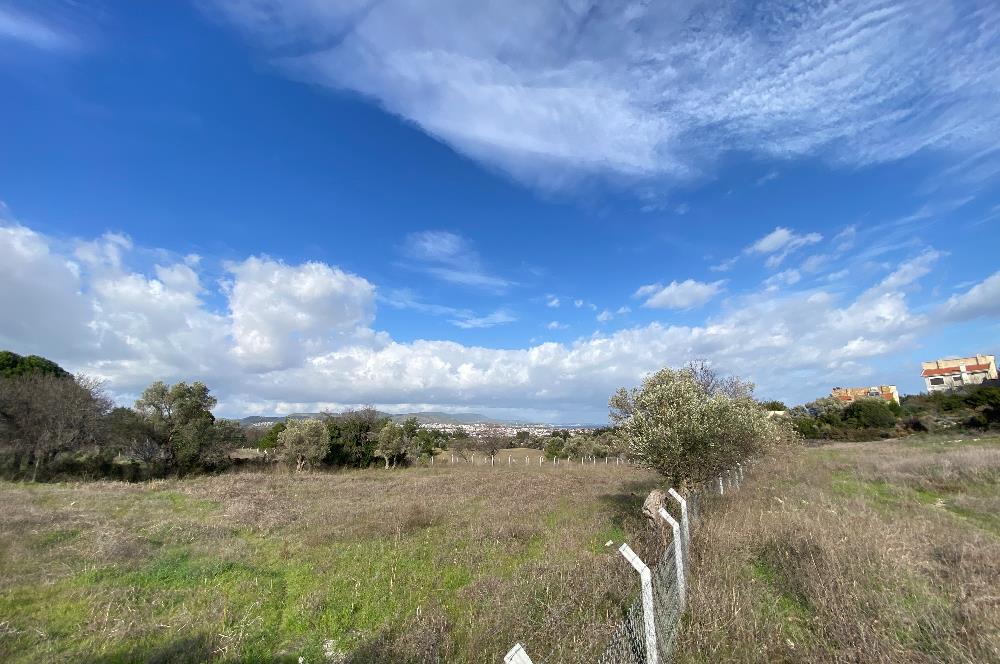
(647, 634)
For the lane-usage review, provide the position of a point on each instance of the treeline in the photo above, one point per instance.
(974, 408)
(54, 425)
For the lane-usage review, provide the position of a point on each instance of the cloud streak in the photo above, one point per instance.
(551, 91)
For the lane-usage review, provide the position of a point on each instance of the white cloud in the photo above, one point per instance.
(556, 325)
(282, 314)
(604, 316)
(498, 317)
(845, 238)
(767, 177)
(578, 303)
(552, 301)
(679, 295)
(814, 263)
(450, 257)
(912, 270)
(624, 310)
(726, 265)
(33, 31)
(783, 278)
(292, 336)
(779, 243)
(550, 91)
(980, 301)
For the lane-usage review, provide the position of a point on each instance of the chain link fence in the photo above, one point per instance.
(647, 634)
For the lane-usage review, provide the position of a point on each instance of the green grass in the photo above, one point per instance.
(413, 565)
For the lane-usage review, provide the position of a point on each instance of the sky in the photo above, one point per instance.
(510, 208)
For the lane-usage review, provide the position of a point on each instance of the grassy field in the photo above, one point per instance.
(451, 564)
(850, 552)
(853, 552)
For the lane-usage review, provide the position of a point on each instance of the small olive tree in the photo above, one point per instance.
(303, 442)
(679, 425)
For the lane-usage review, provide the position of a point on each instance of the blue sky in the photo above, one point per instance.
(510, 209)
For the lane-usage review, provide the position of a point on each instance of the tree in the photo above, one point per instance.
(391, 443)
(270, 439)
(353, 436)
(304, 443)
(181, 417)
(43, 414)
(12, 365)
(773, 404)
(690, 430)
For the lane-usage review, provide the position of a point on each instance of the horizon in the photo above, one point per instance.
(506, 211)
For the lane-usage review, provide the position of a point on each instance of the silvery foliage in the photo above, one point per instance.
(672, 424)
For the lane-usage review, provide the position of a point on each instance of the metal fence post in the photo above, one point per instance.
(678, 554)
(517, 655)
(722, 491)
(685, 520)
(648, 619)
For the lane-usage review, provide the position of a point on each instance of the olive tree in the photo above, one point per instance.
(391, 443)
(685, 428)
(303, 443)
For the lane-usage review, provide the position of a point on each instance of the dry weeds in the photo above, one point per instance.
(420, 565)
(864, 552)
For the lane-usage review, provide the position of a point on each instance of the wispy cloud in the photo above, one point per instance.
(780, 242)
(549, 91)
(726, 265)
(767, 177)
(498, 317)
(678, 295)
(33, 31)
(450, 257)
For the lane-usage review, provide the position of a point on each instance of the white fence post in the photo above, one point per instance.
(678, 553)
(685, 521)
(722, 491)
(648, 619)
(517, 655)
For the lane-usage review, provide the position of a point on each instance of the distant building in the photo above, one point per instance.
(849, 394)
(943, 375)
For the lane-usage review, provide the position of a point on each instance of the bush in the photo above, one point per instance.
(773, 404)
(869, 414)
(674, 424)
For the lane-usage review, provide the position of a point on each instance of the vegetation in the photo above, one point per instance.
(879, 552)
(453, 563)
(974, 408)
(13, 365)
(303, 443)
(690, 426)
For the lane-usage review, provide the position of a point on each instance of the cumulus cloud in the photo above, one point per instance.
(298, 336)
(678, 295)
(604, 316)
(282, 314)
(549, 91)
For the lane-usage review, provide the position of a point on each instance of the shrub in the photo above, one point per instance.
(303, 443)
(773, 404)
(869, 414)
(270, 439)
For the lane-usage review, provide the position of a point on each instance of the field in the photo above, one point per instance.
(868, 552)
(854, 552)
(451, 564)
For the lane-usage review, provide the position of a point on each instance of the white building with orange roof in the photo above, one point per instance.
(953, 373)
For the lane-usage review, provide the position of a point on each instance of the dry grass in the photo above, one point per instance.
(443, 564)
(863, 552)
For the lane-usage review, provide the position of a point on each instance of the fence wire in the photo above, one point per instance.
(628, 640)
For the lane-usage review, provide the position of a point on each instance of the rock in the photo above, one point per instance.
(651, 507)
